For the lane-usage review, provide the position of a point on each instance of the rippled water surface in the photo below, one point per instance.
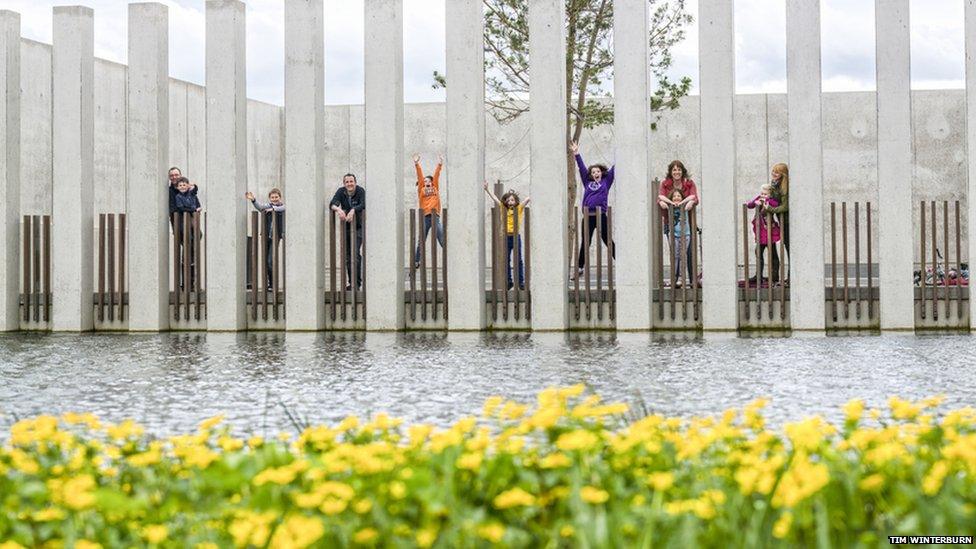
(170, 382)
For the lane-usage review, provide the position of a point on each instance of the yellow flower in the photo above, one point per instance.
(593, 495)
(149, 457)
(903, 409)
(932, 482)
(48, 514)
(782, 526)
(155, 533)
(362, 506)
(298, 531)
(469, 461)
(208, 424)
(11, 545)
(426, 537)
(854, 409)
(230, 444)
(255, 442)
(933, 401)
(364, 536)
(398, 489)
(577, 440)
(126, 429)
(871, 483)
(492, 404)
(516, 497)
(660, 481)
(567, 531)
(493, 532)
(85, 544)
(78, 492)
(555, 461)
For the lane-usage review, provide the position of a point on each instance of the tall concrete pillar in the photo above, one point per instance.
(632, 127)
(970, 17)
(548, 148)
(226, 164)
(9, 170)
(73, 64)
(895, 161)
(466, 164)
(305, 163)
(716, 67)
(806, 164)
(147, 152)
(384, 164)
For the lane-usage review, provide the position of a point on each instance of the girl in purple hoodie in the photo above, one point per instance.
(596, 180)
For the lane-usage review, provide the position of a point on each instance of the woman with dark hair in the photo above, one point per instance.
(596, 180)
(677, 179)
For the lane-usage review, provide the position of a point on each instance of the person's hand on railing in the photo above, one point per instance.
(350, 216)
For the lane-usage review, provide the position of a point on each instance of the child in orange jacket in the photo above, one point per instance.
(429, 199)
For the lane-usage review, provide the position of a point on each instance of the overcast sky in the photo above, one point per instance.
(847, 27)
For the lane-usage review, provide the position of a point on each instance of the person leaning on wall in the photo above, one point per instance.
(349, 203)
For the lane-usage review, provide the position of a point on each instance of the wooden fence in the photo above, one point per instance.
(427, 278)
(35, 297)
(852, 293)
(941, 293)
(344, 299)
(677, 296)
(510, 296)
(763, 296)
(265, 274)
(111, 296)
(189, 295)
(591, 292)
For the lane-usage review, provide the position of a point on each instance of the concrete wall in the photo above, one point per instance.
(849, 146)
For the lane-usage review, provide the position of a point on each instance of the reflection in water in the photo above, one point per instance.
(172, 381)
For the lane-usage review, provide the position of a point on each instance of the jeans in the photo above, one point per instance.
(359, 256)
(269, 260)
(513, 242)
(762, 261)
(587, 235)
(676, 247)
(435, 220)
(185, 254)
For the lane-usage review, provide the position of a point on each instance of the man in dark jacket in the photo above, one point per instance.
(349, 203)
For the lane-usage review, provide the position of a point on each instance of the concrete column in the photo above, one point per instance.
(147, 152)
(466, 164)
(226, 164)
(806, 164)
(632, 127)
(548, 148)
(73, 131)
(304, 163)
(9, 170)
(716, 67)
(384, 164)
(895, 162)
(970, 11)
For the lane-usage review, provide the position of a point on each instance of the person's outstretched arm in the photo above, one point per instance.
(437, 172)
(491, 194)
(527, 200)
(420, 170)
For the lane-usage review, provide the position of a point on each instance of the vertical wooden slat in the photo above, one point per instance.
(921, 239)
(262, 238)
(959, 278)
(681, 252)
(833, 260)
(769, 264)
(46, 273)
(41, 298)
(947, 258)
(574, 262)
(657, 239)
(100, 305)
(516, 257)
(695, 297)
(283, 262)
(110, 237)
(935, 267)
(867, 212)
(362, 263)
(275, 278)
(423, 264)
(857, 260)
(199, 221)
(493, 283)
(189, 256)
(587, 220)
(782, 273)
(446, 290)
(599, 262)
(355, 274)
(527, 243)
(745, 260)
(433, 268)
(847, 297)
(413, 243)
(507, 262)
(26, 263)
(611, 297)
(177, 267)
(123, 250)
(255, 282)
(671, 261)
(332, 263)
(343, 228)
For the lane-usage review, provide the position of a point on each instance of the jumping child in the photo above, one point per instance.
(513, 206)
(596, 180)
(763, 204)
(429, 199)
(273, 209)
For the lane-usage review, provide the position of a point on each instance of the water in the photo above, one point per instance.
(170, 382)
